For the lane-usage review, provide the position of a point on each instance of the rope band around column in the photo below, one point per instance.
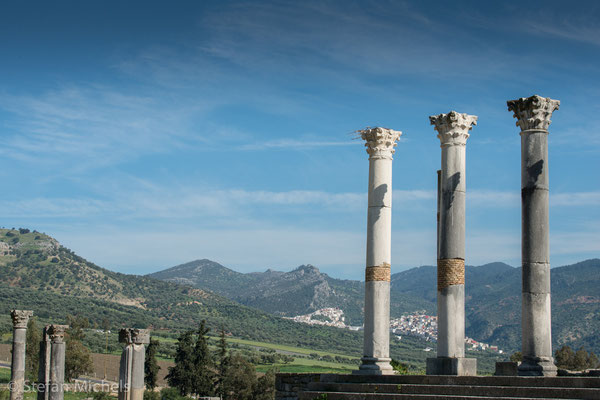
(378, 273)
(450, 271)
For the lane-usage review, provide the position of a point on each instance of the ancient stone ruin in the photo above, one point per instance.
(533, 117)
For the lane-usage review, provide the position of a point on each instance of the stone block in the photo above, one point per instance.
(459, 366)
(536, 326)
(451, 322)
(536, 278)
(534, 226)
(506, 368)
(534, 160)
(537, 366)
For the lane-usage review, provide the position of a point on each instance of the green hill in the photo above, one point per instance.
(37, 273)
(493, 302)
(301, 291)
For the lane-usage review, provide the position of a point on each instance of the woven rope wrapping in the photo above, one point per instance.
(378, 273)
(450, 272)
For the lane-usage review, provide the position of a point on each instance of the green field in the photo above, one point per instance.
(290, 349)
(300, 364)
(308, 365)
(4, 375)
(68, 395)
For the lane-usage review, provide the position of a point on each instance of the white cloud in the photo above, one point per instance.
(152, 201)
(293, 144)
(575, 199)
(94, 126)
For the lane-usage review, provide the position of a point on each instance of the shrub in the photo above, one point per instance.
(170, 394)
(151, 395)
(101, 396)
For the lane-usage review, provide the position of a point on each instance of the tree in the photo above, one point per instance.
(151, 367)
(76, 326)
(181, 376)
(516, 357)
(265, 386)
(399, 367)
(204, 382)
(32, 350)
(223, 361)
(593, 360)
(564, 357)
(580, 359)
(78, 358)
(240, 380)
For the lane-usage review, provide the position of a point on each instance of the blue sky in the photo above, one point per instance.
(143, 135)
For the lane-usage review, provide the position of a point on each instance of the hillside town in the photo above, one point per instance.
(417, 324)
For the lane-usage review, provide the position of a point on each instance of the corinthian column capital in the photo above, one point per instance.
(380, 141)
(533, 112)
(140, 336)
(56, 333)
(134, 336)
(453, 128)
(20, 318)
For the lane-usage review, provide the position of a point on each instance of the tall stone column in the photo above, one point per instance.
(380, 143)
(44, 365)
(57, 361)
(533, 117)
(125, 365)
(20, 318)
(453, 130)
(131, 372)
(439, 202)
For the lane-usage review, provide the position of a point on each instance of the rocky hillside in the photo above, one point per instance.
(493, 304)
(37, 273)
(303, 290)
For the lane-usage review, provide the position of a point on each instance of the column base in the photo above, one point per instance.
(459, 366)
(374, 366)
(537, 366)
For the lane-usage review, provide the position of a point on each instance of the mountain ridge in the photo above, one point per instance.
(39, 274)
(493, 293)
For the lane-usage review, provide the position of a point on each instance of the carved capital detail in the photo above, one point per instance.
(20, 318)
(56, 333)
(533, 112)
(453, 128)
(140, 336)
(380, 141)
(134, 336)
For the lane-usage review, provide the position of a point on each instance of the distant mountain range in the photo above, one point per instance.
(39, 274)
(492, 305)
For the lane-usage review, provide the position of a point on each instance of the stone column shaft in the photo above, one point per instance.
(533, 116)
(380, 147)
(44, 365)
(56, 390)
(125, 373)
(20, 318)
(131, 373)
(451, 261)
(439, 201)
(453, 131)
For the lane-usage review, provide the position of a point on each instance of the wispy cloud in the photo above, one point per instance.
(579, 28)
(374, 37)
(288, 144)
(575, 199)
(94, 125)
(158, 201)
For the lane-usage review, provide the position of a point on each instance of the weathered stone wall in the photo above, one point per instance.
(288, 385)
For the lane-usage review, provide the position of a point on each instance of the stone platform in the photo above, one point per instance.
(433, 387)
